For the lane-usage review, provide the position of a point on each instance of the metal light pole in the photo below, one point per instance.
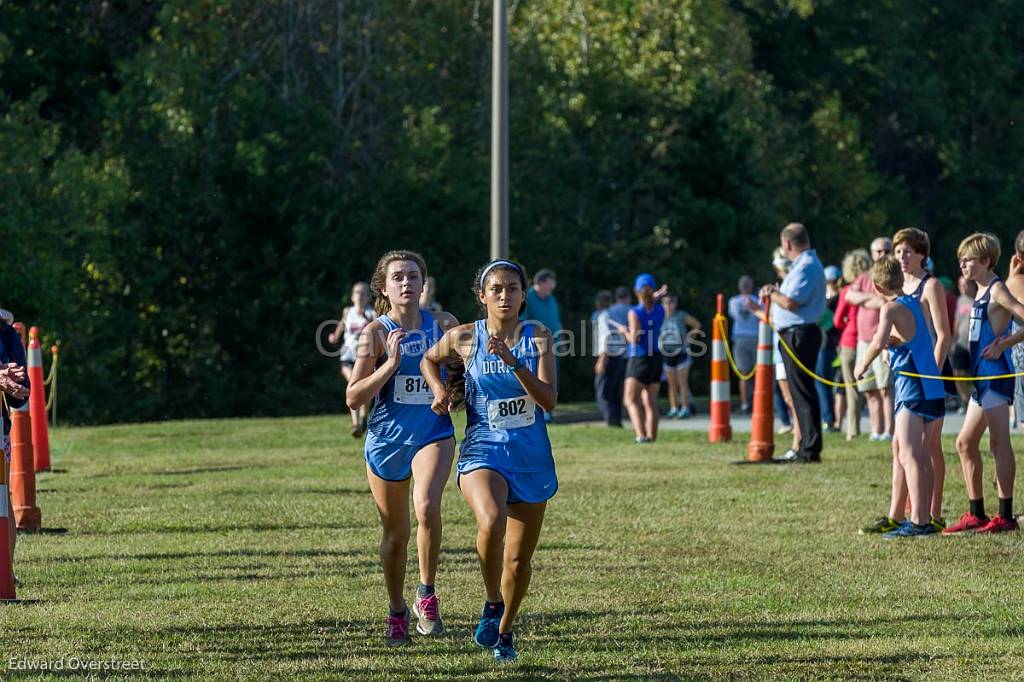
(499, 132)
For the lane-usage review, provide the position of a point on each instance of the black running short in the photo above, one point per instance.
(645, 368)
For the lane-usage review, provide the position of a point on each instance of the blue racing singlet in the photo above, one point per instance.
(505, 429)
(947, 369)
(918, 357)
(401, 411)
(650, 330)
(981, 335)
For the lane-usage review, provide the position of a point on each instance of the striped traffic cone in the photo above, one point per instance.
(27, 516)
(7, 592)
(37, 402)
(762, 433)
(720, 430)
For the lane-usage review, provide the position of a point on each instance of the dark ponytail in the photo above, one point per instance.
(455, 381)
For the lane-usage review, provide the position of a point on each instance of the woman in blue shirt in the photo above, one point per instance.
(643, 371)
(506, 469)
(404, 438)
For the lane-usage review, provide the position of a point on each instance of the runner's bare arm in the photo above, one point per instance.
(339, 329)
(934, 295)
(367, 379)
(542, 385)
(878, 342)
(1002, 297)
(633, 332)
(454, 342)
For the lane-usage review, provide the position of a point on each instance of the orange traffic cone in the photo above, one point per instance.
(37, 402)
(762, 433)
(23, 472)
(720, 429)
(7, 593)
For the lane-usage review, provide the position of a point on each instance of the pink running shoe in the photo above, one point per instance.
(398, 629)
(429, 620)
(968, 523)
(997, 524)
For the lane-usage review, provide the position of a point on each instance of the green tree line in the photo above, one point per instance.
(189, 188)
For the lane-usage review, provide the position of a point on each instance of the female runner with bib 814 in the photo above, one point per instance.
(506, 470)
(405, 438)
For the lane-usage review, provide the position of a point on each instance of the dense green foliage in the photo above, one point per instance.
(188, 188)
(228, 549)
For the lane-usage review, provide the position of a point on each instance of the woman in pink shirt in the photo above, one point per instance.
(854, 263)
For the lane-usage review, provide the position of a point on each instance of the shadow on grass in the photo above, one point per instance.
(355, 649)
(222, 528)
(264, 565)
(202, 470)
(121, 675)
(227, 553)
(332, 491)
(213, 469)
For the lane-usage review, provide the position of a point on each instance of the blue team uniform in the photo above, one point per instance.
(924, 397)
(505, 429)
(947, 369)
(402, 421)
(981, 335)
(650, 329)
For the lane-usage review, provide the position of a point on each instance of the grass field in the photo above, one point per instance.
(248, 548)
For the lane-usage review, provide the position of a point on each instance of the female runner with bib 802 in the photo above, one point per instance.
(506, 470)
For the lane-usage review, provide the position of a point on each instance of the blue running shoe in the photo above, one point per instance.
(910, 530)
(486, 634)
(505, 650)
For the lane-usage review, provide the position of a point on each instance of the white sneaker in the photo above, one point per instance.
(885, 436)
(790, 456)
(875, 436)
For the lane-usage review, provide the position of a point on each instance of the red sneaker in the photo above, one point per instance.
(968, 523)
(997, 524)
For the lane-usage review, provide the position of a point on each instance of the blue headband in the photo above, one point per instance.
(497, 263)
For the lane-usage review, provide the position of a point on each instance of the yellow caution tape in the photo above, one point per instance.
(940, 377)
(53, 394)
(53, 371)
(720, 321)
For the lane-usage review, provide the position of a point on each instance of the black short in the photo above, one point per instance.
(676, 358)
(960, 358)
(645, 368)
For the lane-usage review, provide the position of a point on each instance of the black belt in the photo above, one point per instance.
(797, 326)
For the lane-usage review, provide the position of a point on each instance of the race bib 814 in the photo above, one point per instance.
(412, 390)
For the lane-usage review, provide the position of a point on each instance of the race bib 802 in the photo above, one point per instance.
(511, 413)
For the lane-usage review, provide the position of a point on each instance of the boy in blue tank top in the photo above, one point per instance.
(405, 439)
(989, 408)
(911, 247)
(504, 373)
(903, 330)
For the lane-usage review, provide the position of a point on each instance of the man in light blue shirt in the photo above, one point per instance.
(797, 305)
(542, 307)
